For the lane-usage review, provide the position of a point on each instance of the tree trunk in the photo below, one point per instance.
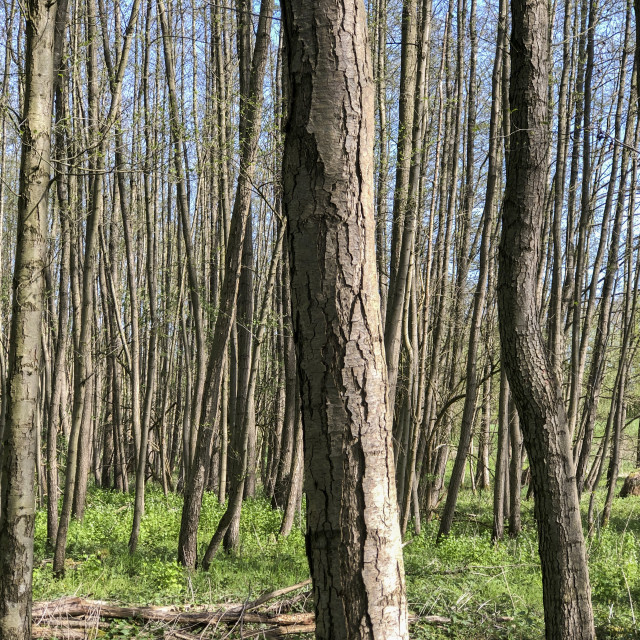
(500, 488)
(86, 314)
(251, 105)
(295, 486)
(601, 341)
(353, 536)
(230, 521)
(483, 480)
(245, 422)
(17, 506)
(515, 472)
(565, 577)
(291, 396)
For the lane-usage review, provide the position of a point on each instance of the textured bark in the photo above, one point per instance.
(353, 537)
(17, 505)
(536, 391)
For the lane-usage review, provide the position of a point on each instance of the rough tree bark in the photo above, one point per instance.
(565, 576)
(353, 536)
(17, 504)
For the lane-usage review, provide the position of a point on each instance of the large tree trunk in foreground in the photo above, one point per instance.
(17, 504)
(353, 536)
(537, 393)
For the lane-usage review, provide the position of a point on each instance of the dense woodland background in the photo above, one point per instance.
(169, 135)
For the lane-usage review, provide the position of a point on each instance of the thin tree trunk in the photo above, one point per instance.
(556, 314)
(17, 505)
(86, 315)
(150, 212)
(238, 453)
(295, 486)
(291, 396)
(251, 109)
(597, 367)
(483, 480)
(577, 363)
(231, 517)
(404, 214)
(515, 472)
(478, 309)
(500, 488)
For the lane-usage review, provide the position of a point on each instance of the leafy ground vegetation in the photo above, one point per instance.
(486, 590)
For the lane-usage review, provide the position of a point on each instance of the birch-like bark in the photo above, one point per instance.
(17, 500)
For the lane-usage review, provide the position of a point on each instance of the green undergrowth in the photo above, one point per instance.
(486, 590)
(100, 567)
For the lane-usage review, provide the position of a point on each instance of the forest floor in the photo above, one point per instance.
(485, 590)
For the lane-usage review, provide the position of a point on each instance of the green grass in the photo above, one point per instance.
(466, 577)
(100, 567)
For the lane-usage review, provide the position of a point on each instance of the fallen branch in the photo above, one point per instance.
(283, 606)
(60, 633)
(270, 595)
(180, 635)
(60, 618)
(87, 623)
(432, 620)
(75, 618)
(75, 607)
(281, 632)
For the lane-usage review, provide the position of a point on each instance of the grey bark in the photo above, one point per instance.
(17, 500)
(353, 536)
(536, 391)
